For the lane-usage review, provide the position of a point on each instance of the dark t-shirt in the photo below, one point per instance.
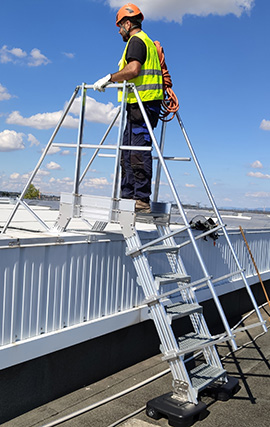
(137, 51)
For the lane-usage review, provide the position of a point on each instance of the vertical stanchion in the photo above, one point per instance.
(116, 178)
(79, 142)
(158, 171)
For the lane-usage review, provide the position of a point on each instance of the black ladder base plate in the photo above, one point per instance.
(178, 413)
(222, 391)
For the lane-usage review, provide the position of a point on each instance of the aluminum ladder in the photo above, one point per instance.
(186, 385)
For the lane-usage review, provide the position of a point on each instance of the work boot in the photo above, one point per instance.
(142, 207)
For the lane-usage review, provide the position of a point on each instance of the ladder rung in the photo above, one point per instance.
(181, 309)
(204, 375)
(227, 276)
(245, 328)
(192, 342)
(161, 248)
(177, 159)
(167, 278)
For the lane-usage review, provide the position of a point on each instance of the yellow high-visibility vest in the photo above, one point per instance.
(149, 81)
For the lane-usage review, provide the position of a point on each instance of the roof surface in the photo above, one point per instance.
(249, 407)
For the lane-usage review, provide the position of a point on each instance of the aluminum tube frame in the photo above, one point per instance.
(116, 179)
(182, 212)
(212, 201)
(158, 170)
(25, 205)
(76, 184)
(41, 158)
(101, 143)
(105, 147)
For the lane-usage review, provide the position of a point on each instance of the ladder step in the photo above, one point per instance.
(181, 309)
(161, 248)
(152, 218)
(167, 278)
(204, 375)
(193, 342)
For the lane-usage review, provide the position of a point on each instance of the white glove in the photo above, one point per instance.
(102, 83)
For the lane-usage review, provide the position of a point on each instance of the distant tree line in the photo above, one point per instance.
(31, 193)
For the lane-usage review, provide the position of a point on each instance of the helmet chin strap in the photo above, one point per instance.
(131, 28)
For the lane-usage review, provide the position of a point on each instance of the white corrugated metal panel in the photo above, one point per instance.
(52, 284)
(47, 288)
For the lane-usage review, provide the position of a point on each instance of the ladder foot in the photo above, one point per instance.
(179, 414)
(223, 391)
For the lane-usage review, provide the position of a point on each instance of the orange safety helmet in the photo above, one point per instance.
(128, 11)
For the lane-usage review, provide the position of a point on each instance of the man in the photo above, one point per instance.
(139, 65)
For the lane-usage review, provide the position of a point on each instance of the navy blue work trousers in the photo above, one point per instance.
(136, 165)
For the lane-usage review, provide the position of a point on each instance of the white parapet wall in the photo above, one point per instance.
(58, 291)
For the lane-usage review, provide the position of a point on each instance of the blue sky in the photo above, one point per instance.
(217, 55)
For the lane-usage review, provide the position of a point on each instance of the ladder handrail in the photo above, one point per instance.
(43, 155)
(220, 220)
(182, 212)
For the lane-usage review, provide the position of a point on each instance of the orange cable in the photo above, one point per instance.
(170, 104)
(254, 263)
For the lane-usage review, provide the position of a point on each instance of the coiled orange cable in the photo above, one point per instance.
(170, 104)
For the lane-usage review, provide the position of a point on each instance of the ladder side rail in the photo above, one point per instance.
(188, 294)
(212, 201)
(158, 169)
(182, 212)
(116, 180)
(76, 183)
(101, 143)
(33, 174)
(168, 341)
(157, 240)
(201, 235)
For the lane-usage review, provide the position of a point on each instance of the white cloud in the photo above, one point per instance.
(259, 175)
(53, 166)
(96, 182)
(65, 152)
(18, 52)
(69, 55)
(190, 185)
(15, 176)
(265, 124)
(257, 164)
(18, 56)
(37, 58)
(259, 195)
(53, 150)
(175, 10)
(33, 140)
(42, 172)
(4, 95)
(11, 140)
(95, 111)
(41, 120)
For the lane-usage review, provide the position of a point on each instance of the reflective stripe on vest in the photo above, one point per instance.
(149, 81)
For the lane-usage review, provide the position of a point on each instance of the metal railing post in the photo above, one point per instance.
(79, 142)
(116, 178)
(41, 158)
